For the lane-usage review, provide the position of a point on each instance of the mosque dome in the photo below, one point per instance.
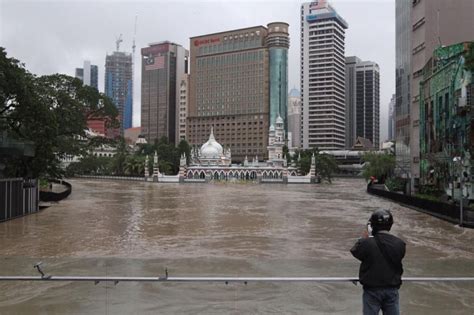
(279, 120)
(211, 149)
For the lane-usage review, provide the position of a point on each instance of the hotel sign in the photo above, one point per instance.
(198, 42)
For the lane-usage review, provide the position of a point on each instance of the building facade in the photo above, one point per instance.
(391, 119)
(164, 67)
(447, 131)
(294, 118)
(425, 25)
(322, 76)
(119, 85)
(402, 87)
(89, 74)
(183, 107)
(362, 101)
(238, 79)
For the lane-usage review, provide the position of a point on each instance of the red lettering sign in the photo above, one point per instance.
(198, 42)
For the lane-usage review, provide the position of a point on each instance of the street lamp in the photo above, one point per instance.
(458, 161)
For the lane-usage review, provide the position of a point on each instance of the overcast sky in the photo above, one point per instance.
(57, 36)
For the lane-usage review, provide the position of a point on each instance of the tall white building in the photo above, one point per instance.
(294, 118)
(183, 107)
(322, 76)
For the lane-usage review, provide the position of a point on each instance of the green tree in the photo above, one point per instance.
(51, 111)
(134, 165)
(168, 157)
(184, 147)
(89, 165)
(121, 154)
(326, 165)
(380, 166)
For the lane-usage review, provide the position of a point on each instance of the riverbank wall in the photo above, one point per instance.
(205, 179)
(48, 196)
(445, 211)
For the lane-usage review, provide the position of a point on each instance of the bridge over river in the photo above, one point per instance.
(108, 228)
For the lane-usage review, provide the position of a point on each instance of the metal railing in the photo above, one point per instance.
(18, 197)
(226, 280)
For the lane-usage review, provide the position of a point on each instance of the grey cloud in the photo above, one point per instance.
(57, 36)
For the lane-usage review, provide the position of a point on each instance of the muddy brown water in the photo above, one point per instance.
(137, 229)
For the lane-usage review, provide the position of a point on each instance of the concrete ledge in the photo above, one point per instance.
(441, 210)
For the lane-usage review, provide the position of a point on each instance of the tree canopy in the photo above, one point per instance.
(326, 165)
(380, 166)
(51, 111)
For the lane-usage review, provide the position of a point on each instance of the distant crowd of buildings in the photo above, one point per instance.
(236, 81)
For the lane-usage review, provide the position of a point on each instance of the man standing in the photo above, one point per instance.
(381, 267)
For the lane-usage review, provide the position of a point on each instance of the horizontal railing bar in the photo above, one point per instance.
(219, 279)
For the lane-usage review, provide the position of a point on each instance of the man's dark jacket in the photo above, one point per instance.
(375, 271)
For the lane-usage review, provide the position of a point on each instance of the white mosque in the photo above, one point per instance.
(213, 163)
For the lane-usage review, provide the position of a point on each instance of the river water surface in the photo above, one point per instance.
(139, 229)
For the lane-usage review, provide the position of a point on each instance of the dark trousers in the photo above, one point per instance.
(386, 300)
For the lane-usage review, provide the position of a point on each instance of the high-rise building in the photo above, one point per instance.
(421, 27)
(322, 76)
(294, 118)
(164, 67)
(402, 86)
(238, 85)
(183, 106)
(362, 101)
(88, 74)
(434, 24)
(391, 119)
(119, 85)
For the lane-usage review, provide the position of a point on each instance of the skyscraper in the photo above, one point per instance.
(119, 85)
(362, 101)
(88, 74)
(238, 85)
(322, 76)
(294, 118)
(402, 86)
(183, 106)
(391, 119)
(164, 67)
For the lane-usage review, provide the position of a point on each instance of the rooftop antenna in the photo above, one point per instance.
(118, 40)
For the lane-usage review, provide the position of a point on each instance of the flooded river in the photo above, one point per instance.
(138, 229)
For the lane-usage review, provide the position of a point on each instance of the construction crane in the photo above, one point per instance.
(134, 35)
(118, 40)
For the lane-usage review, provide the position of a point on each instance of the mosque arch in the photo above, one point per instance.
(202, 175)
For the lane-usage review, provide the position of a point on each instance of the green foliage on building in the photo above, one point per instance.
(445, 114)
